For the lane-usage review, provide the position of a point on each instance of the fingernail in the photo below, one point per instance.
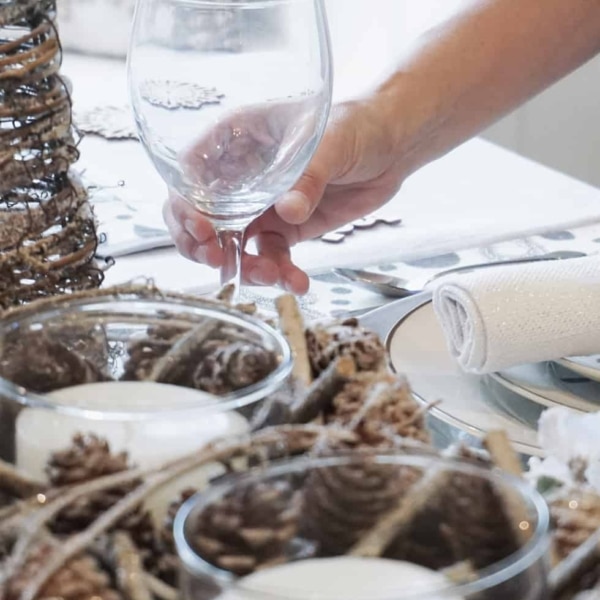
(299, 202)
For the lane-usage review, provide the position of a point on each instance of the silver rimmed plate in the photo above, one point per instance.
(551, 385)
(470, 404)
(586, 366)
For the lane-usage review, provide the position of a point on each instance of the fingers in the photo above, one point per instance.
(195, 239)
(275, 248)
(193, 235)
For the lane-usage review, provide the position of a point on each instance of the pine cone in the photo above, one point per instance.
(42, 365)
(144, 353)
(379, 405)
(326, 343)
(80, 579)
(225, 362)
(342, 503)
(249, 528)
(575, 516)
(465, 520)
(228, 366)
(88, 458)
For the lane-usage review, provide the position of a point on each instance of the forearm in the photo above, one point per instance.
(472, 70)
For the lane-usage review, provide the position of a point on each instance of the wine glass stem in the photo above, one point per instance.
(232, 244)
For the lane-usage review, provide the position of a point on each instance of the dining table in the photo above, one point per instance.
(480, 203)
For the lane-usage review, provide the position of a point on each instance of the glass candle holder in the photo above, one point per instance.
(365, 526)
(156, 376)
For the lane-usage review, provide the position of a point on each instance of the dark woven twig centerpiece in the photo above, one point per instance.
(47, 231)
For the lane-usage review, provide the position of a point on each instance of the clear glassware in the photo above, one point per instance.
(231, 98)
(477, 534)
(84, 366)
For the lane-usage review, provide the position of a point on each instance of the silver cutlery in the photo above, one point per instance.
(397, 287)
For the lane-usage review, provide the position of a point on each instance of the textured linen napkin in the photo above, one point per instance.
(504, 316)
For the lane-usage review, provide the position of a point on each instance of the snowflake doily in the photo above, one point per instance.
(178, 94)
(110, 122)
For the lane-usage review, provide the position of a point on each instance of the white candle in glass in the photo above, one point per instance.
(148, 441)
(343, 578)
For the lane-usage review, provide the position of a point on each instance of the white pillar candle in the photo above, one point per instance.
(149, 442)
(343, 578)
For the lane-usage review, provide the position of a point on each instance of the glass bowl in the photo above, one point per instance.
(365, 526)
(156, 375)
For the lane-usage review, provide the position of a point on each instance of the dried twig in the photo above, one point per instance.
(503, 455)
(16, 483)
(292, 325)
(182, 348)
(160, 589)
(128, 567)
(226, 294)
(292, 438)
(323, 390)
(461, 572)
(377, 395)
(12, 517)
(32, 526)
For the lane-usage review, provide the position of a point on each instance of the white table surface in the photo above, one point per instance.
(477, 195)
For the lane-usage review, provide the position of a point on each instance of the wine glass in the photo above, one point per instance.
(231, 98)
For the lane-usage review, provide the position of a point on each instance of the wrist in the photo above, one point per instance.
(414, 118)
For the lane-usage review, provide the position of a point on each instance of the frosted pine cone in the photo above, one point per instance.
(249, 528)
(575, 516)
(225, 361)
(466, 520)
(145, 352)
(342, 503)
(327, 342)
(378, 405)
(228, 366)
(80, 579)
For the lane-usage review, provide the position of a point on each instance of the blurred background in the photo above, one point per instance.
(559, 128)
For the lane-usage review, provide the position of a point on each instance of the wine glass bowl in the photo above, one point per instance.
(231, 99)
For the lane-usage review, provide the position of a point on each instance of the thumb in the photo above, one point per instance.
(296, 206)
(332, 159)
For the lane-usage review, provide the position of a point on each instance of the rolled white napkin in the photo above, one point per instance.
(495, 318)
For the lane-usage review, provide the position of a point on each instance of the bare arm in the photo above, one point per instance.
(460, 77)
(470, 71)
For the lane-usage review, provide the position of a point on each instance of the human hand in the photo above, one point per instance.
(356, 169)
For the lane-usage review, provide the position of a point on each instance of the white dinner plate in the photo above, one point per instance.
(586, 366)
(469, 403)
(550, 385)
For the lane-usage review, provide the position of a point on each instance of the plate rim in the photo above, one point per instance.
(436, 411)
(579, 369)
(530, 394)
